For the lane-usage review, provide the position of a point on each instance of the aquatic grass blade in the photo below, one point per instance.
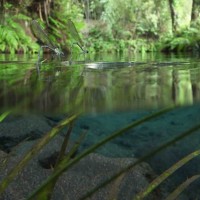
(182, 187)
(142, 159)
(47, 191)
(34, 150)
(4, 115)
(157, 181)
(65, 144)
(91, 149)
(71, 153)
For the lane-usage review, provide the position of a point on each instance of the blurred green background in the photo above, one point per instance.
(104, 25)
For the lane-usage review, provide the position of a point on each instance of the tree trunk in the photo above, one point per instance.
(195, 10)
(181, 12)
(163, 12)
(173, 18)
(2, 11)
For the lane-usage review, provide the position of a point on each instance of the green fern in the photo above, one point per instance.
(13, 37)
(188, 39)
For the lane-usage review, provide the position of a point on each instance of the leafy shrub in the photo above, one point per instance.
(187, 40)
(13, 38)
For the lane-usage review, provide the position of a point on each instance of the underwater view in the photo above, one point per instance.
(132, 116)
(99, 100)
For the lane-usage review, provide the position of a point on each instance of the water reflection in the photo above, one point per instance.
(144, 86)
(60, 88)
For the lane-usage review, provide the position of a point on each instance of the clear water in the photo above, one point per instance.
(113, 97)
(159, 82)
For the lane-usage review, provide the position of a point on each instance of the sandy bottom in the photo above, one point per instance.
(147, 137)
(134, 143)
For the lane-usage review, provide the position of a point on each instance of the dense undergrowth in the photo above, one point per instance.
(17, 36)
(13, 38)
(187, 40)
(130, 27)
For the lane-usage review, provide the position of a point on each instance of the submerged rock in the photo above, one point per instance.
(16, 129)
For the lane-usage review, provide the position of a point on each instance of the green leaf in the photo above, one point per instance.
(36, 148)
(2, 47)
(182, 187)
(4, 115)
(91, 149)
(166, 174)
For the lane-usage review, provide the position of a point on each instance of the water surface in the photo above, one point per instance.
(111, 96)
(147, 83)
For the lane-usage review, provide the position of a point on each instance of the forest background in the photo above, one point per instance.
(104, 25)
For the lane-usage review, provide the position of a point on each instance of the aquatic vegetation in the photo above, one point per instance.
(13, 173)
(182, 187)
(169, 172)
(4, 115)
(160, 178)
(64, 162)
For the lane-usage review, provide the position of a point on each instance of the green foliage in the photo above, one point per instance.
(21, 164)
(125, 21)
(96, 8)
(187, 40)
(13, 38)
(65, 9)
(57, 26)
(4, 115)
(122, 46)
(182, 187)
(136, 18)
(64, 34)
(116, 25)
(100, 40)
(126, 26)
(64, 162)
(161, 178)
(66, 165)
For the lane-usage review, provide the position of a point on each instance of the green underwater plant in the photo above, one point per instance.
(4, 115)
(65, 165)
(169, 172)
(160, 178)
(64, 162)
(43, 141)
